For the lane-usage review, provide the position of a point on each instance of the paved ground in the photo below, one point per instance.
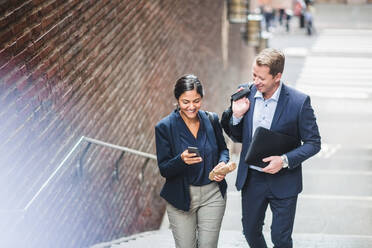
(334, 67)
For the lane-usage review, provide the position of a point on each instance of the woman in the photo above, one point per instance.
(195, 204)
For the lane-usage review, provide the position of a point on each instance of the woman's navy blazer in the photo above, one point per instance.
(171, 166)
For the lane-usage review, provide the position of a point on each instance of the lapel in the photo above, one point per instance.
(175, 133)
(251, 110)
(282, 103)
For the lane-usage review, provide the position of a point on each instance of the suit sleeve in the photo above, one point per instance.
(169, 165)
(309, 134)
(236, 131)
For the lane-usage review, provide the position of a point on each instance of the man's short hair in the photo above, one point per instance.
(272, 58)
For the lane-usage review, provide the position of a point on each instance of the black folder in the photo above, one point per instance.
(266, 143)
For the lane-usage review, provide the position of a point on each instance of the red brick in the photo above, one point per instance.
(23, 41)
(38, 73)
(22, 10)
(21, 57)
(47, 22)
(54, 57)
(6, 54)
(19, 28)
(5, 36)
(6, 21)
(37, 2)
(36, 31)
(4, 6)
(52, 71)
(38, 43)
(31, 51)
(65, 22)
(33, 62)
(47, 9)
(45, 52)
(34, 18)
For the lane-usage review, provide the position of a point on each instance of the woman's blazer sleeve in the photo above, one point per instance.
(170, 164)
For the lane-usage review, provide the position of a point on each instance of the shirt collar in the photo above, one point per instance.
(274, 97)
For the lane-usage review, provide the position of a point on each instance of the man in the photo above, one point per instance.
(280, 108)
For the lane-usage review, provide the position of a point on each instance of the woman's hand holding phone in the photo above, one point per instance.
(191, 156)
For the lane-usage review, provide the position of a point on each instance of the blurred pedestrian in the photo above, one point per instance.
(195, 204)
(269, 16)
(284, 9)
(288, 15)
(309, 17)
(299, 10)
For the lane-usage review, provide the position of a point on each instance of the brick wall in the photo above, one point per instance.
(102, 69)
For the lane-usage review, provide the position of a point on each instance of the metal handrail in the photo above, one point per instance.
(89, 140)
(122, 148)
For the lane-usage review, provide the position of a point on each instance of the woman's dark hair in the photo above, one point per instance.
(186, 83)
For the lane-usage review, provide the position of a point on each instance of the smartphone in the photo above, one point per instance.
(237, 95)
(195, 150)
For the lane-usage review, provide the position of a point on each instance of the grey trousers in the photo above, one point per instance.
(200, 226)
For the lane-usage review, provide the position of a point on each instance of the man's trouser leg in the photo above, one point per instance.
(254, 205)
(284, 211)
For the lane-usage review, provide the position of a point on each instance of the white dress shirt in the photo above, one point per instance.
(263, 114)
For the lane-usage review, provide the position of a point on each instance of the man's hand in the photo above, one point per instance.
(241, 106)
(275, 164)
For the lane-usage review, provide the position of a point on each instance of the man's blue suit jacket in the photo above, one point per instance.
(293, 116)
(168, 150)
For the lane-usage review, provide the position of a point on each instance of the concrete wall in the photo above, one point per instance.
(103, 69)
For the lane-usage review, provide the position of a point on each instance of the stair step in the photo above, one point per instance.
(229, 239)
(337, 182)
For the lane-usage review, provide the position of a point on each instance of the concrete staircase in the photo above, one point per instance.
(335, 208)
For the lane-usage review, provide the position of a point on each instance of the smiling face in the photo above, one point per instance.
(264, 81)
(189, 102)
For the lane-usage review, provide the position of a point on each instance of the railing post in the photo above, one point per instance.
(142, 174)
(115, 173)
(79, 169)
